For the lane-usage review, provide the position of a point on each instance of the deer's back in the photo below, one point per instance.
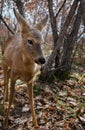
(11, 48)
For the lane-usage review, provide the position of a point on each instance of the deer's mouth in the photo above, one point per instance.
(40, 61)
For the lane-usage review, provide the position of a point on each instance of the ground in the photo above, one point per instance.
(59, 105)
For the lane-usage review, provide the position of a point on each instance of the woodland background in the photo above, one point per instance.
(60, 87)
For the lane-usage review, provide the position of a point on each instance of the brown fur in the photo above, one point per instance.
(19, 60)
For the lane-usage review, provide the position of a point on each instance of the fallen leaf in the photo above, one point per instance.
(25, 108)
(62, 93)
(82, 119)
(73, 103)
(40, 129)
(21, 120)
(1, 83)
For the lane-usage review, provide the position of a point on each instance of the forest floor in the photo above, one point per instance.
(59, 105)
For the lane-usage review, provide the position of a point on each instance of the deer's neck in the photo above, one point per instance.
(27, 61)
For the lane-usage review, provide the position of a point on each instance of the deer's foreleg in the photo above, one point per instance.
(12, 90)
(31, 100)
(6, 78)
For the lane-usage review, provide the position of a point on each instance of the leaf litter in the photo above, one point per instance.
(58, 106)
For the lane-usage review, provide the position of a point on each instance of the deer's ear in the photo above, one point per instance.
(42, 23)
(21, 20)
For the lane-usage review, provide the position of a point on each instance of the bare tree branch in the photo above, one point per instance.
(2, 2)
(70, 42)
(82, 5)
(20, 7)
(60, 8)
(53, 21)
(60, 40)
(6, 24)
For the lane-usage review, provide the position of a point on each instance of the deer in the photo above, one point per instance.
(21, 53)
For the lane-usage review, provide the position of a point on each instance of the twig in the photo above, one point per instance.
(81, 78)
(2, 3)
(60, 8)
(80, 35)
(6, 25)
(42, 7)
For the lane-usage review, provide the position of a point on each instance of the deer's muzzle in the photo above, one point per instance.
(40, 60)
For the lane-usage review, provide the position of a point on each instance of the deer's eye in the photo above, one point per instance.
(29, 42)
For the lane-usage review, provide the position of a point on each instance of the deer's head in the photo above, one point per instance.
(32, 38)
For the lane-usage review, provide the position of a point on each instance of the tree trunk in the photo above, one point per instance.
(54, 28)
(48, 65)
(53, 21)
(57, 59)
(20, 7)
(68, 48)
(82, 5)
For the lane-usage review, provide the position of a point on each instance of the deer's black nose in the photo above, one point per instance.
(42, 60)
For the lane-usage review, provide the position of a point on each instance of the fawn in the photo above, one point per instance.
(20, 55)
